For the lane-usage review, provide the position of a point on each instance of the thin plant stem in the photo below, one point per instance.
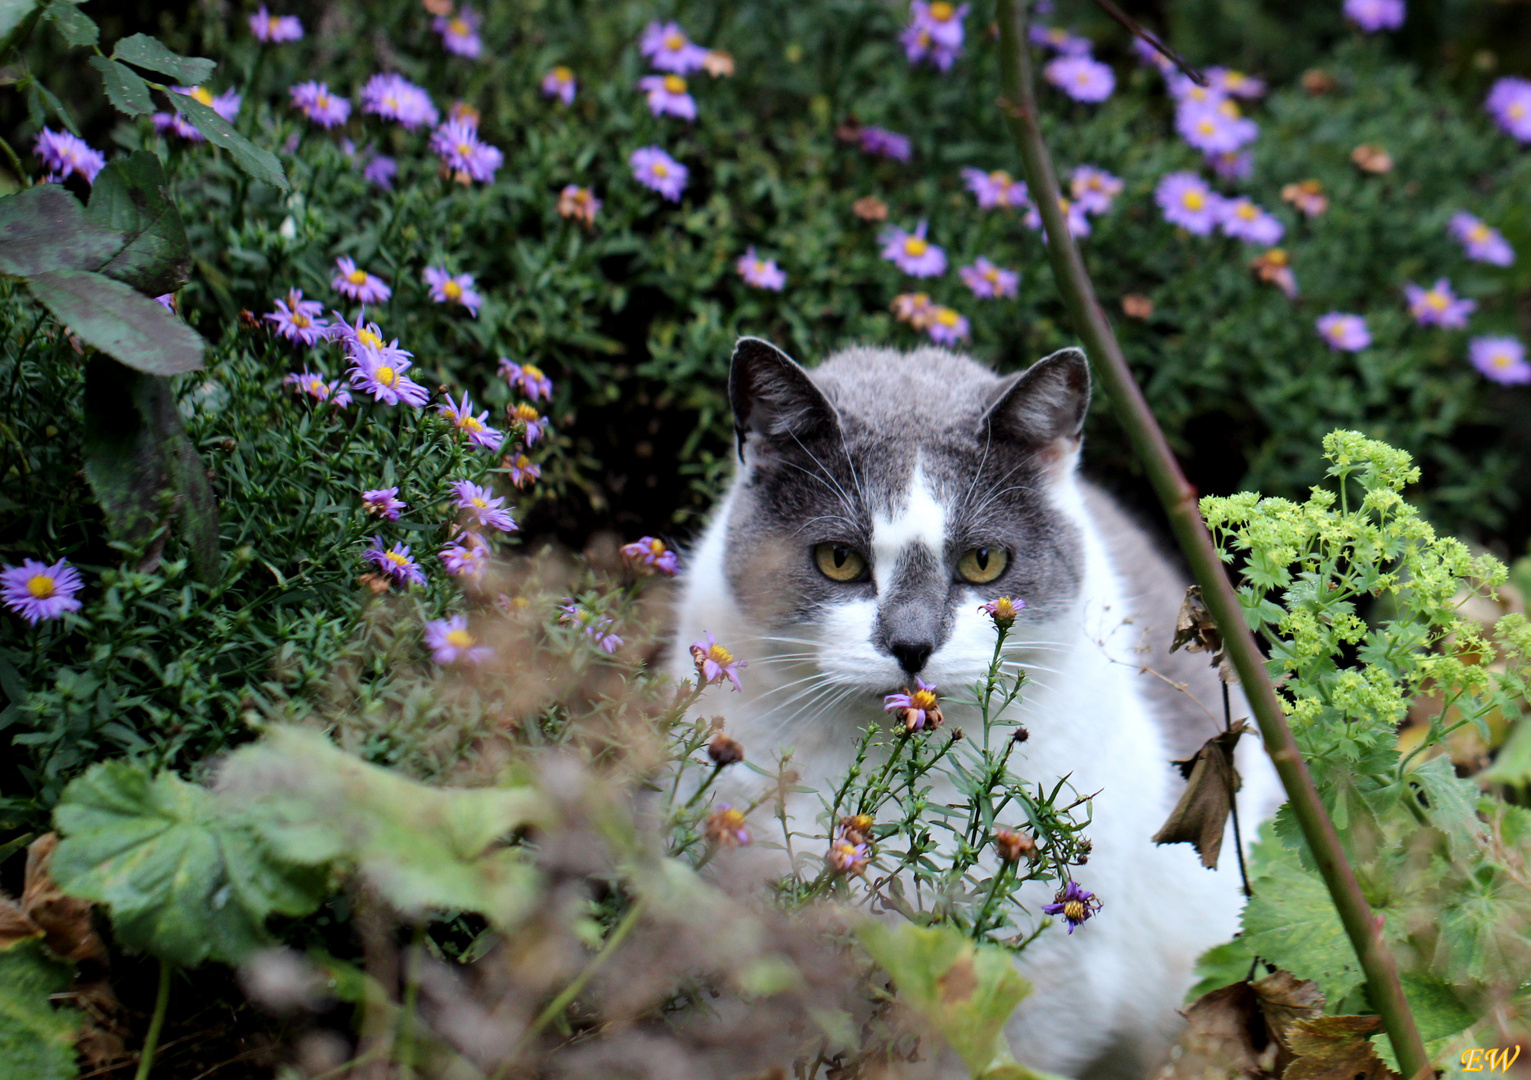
(156, 1023)
(1233, 794)
(1018, 103)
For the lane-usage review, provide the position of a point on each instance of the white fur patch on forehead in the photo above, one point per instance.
(921, 520)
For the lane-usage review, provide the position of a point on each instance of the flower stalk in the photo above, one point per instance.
(1178, 497)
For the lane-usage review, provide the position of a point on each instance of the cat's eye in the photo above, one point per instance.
(839, 562)
(982, 565)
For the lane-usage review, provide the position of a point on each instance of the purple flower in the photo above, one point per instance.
(847, 857)
(488, 512)
(298, 319)
(459, 32)
(275, 29)
(382, 375)
(37, 591)
(529, 377)
(988, 281)
(453, 289)
(1501, 359)
(714, 663)
(1003, 610)
(648, 554)
(64, 153)
(1483, 244)
(761, 273)
(1082, 78)
(1232, 165)
(1509, 102)
(317, 388)
(1226, 81)
(394, 97)
(912, 253)
(352, 281)
(1345, 333)
(1188, 202)
(523, 470)
(594, 626)
(668, 49)
(578, 203)
(995, 188)
(479, 433)
(1073, 213)
(380, 171)
(1152, 57)
(946, 327)
(465, 560)
(934, 32)
(1374, 15)
(1438, 305)
(1094, 189)
(383, 503)
(1214, 127)
(880, 142)
(396, 564)
(458, 144)
(1074, 904)
(319, 105)
(658, 171)
(918, 709)
(225, 105)
(559, 83)
(527, 416)
(1243, 220)
(363, 337)
(667, 94)
(1060, 40)
(451, 643)
(726, 826)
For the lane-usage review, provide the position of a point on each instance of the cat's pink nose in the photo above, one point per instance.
(911, 655)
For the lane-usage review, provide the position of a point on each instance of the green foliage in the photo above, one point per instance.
(36, 1040)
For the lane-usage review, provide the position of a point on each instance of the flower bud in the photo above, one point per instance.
(724, 751)
(1013, 845)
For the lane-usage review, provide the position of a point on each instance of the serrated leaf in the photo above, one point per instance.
(144, 51)
(74, 26)
(182, 878)
(131, 198)
(1451, 804)
(43, 229)
(36, 1040)
(119, 321)
(259, 163)
(125, 88)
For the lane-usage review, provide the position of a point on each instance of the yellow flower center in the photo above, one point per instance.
(1247, 211)
(1000, 177)
(386, 375)
(464, 149)
(923, 699)
(1198, 93)
(660, 170)
(915, 246)
(459, 639)
(1498, 359)
(531, 371)
(1277, 257)
(1517, 110)
(395, 558)
(451, 290)
(1083, 77)
(273, 23)
(479, 503)
(458, 27)
(1436, 301)
(675, 42)
(300, 320)
(720, 656)
(40, 586)
(941, 11)
(367, 337)
(1193, 200)
(322, 101)
(1230, 110)
(946, 317)
(655, 546)
(1337, 331)
(991, 275)
(563, 74)
(1234, 79)
(357, 276)
(1205, 126)
(731, 819)
(470, 424)
(1073, 910)
(317, 388)
(526, 413)
(522, 461)
(201, 95)
(1004, 608)
(675, 84)
(1478, 233)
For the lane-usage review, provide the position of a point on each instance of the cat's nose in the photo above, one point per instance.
(911, 655)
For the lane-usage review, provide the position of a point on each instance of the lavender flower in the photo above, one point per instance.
(317, 388)
(658, 171)
(383, 503)
(352, 281)
(479, 433)
(667, 95)
(458, 144)
(1082, 78)
(1073, 214)
(934, 32)
(668, 49)
(1438, 305)
(914, 309)
(37, 591)
(995, 188)
(316, 102)
(451, 643)
(1243, 220)
(988, 281)
(529, 377)
(761, 273)
(714, 663)
(1500, 359)
(380, 171)
(1236, 83)
(465, 560)
(298, 319)
(453, 289)
(396, 564)
(1151, 56)
(880, 142)
(1482, 243)
(487, 512)
(592, 625)
(1509, 103)
(1074, 904)
(559, 83)
(912, 253)
(1188, 202)
(166, 301)
(275, 29)
(459, 33)
(917, 710)
(1214, 128)
(847, 857)
(1060, 40)
(1232, 165)
(394, 97)
(1094, 189)
(649, 555)
(1003, 611)
(1347, 333)
(523, 470)
(578, 203)
(382, 376)
(1374, 15)
(527, 416)
(946, 327)
(225, 105)
(64, 154)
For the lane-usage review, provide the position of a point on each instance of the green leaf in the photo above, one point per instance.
(131, 197)
(119, 321)
(43, 229)
(142, 466)
(12, 14)
(125, 88)
(1220, 966)
(75, 27)
(182, 878)
(259, 163)
(36, 1040)
(56, 106)
(1453, 804)
(147, 52)
(1513, 764)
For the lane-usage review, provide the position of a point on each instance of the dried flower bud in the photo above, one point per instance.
(1020, 736)
(791, 776)
(857, 828)
(870, 208)
(1137, 306)
(1308, 196)
(724, 751)
(248, 320)
(1317, 82)
(440, 8)
(1013, 845)
(1372, 158)
(718, 63)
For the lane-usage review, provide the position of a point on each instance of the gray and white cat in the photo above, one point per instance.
(880, 499)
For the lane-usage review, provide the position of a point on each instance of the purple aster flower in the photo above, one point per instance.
(315, 386)
(847, 857)
(714, 663)
(880, 142)
(275, 29)
(668, 49)
(934, 32)
(1003, 610)
(1082, 78)
(1438, 305)
(383, 503)
(319, 105)
(578, 203)
(1483, 244)
(1232, 164)
(488, 512)
(1214, 128)
(225, 105)
(1073, 213)
(917, 710)
(363, 336)
(1074, 904)
(467, 559)
(658, 171)
(1151, 56)
(1182, 89)
(559, 83)
(912, 253)
(352, 281)
(382, 376)
(995, 188)
(459, 32)
(1226, 81)
(1509, 102)
(464, 152)
(1188, 202)
(64, 154)
(527, 416)
(529, 377)
(1501, 359)
(649, 555)
(1374, 15)
(593, 625)
(380, 171)
(451, 643)
(988, 281)
(761, 273)
(523, 471)
(1094, 189)
(726, 826)
(1060, 40)
(453, 289)
(396, 564)
(946, 327)
(1347, 333)
(478, 431)
(667, 94)
(298, 319)
(394, 97)
(1243, 220)
(37, 591)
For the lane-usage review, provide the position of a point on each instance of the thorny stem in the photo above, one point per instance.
(1018, 103)
(156, 1023)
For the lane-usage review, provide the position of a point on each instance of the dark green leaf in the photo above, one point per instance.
(57, 107)
(73, 25)
(1452, 804)
(12, 13)
(125, 88)
(147, 52)
(43, 229)
(132, 198)
(119, 321)
(261, 164)
(141, 465)
(36, 1040)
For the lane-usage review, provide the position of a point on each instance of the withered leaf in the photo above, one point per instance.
(66, 924)
(1196, 631)
(15, 924)
(1223, 1039)
(1202, 812)
(1285, 999)
(958, 983)
(1335, 1048)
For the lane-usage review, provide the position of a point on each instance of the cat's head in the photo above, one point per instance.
(885, 495)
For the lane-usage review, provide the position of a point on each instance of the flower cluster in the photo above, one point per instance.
(314, 100)
(851, 848)
(761, 273)
(451, 642)
(1374, 15)
(1509, 103)
(394, 97)
(934, 33)
(65, 155)
(466, 157)
(459, 32)
(591, 623)
(275, 29)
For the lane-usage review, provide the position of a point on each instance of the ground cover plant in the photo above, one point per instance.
(444, 294)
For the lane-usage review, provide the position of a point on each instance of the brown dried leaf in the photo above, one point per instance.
(1202, 812)
(1223, 1039)
(15, 925)
(65, 921)
(1336, 1048)
(1285, 999)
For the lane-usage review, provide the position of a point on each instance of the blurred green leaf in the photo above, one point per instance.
(120, 321)
(43, 229)
(148, 52)
(259, 163)
(131, 197)
(1512, 765)
(36, 1039)
(12, 13)
(1452, 804)
(125, 88)
(75, 27)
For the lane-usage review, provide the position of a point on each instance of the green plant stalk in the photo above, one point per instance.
(156, 1023)
(1018, 103)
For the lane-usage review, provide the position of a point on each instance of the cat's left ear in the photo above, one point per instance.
(1044, 405)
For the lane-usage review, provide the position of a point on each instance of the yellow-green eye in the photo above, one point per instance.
(840, 563)
(982, 565)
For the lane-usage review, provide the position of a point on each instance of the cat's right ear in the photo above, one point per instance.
(773, 396)
(1044, 405)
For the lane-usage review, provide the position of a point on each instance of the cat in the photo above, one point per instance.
(868, 489)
